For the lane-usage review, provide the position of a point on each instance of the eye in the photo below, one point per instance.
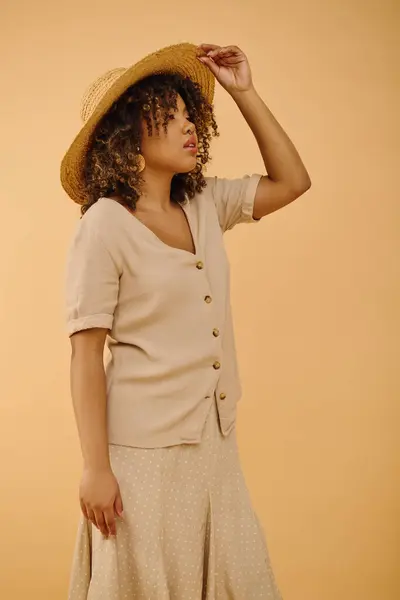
(172, 116)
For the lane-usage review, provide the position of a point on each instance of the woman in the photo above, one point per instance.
(166, 510)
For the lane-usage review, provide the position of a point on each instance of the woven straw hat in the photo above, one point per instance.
(180, 59)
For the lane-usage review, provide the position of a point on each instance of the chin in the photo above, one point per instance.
(183, 169)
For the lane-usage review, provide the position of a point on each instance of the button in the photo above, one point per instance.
(217, 365)
(216, 332)
(200, 265)
(208, 299)
(222, 396)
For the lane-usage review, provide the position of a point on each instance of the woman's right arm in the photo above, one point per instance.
(100, 496)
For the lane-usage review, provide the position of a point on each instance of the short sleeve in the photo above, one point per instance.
(234, 199)
(92, 281)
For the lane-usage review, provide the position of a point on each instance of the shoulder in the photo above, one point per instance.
(101, 221)
(100, 213)
(209, 187)
(94, 245)
(98, 234)
(208, 193)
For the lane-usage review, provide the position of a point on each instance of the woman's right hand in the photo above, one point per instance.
(100, 499)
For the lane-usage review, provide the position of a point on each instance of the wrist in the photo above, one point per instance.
(97, 466)
(243, 94)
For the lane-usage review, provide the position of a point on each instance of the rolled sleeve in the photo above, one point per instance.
(92, 281)
(234, 199)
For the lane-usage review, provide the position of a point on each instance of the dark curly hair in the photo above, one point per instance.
(111, 162)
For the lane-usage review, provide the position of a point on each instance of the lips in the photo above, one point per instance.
(191, 143)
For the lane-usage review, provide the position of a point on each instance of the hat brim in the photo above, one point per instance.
(180, 59)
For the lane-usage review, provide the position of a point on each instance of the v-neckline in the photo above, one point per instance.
(159, 240)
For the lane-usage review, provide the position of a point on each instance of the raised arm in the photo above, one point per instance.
(287, 177)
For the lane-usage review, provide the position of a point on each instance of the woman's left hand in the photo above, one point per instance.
(229, 65)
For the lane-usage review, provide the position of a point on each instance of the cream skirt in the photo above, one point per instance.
(188, 532)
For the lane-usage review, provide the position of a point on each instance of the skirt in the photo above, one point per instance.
(188, 532)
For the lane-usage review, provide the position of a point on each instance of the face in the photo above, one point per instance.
(175, 151)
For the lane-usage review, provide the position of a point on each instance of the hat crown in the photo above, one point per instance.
(96, 91)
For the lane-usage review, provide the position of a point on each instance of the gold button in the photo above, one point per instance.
(208, 299)
(222, 396)
(217, 365)
(216, 332)
(200, 264)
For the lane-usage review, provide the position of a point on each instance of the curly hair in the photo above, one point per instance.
(111, 165)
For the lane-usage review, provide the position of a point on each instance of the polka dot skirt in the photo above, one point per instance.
(188, 532)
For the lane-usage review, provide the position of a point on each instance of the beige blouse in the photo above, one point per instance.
(168, 312)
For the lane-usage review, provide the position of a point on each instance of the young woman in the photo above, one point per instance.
(166, 510)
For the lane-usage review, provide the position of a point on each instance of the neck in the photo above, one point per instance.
(156, 192)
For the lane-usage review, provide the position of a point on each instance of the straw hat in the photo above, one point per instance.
(180, 59)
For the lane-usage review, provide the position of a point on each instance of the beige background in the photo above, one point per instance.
(315, 286)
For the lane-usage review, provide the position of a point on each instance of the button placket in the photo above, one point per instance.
(208, 300)
(217, 364)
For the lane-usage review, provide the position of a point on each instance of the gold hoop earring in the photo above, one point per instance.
(140, 163)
